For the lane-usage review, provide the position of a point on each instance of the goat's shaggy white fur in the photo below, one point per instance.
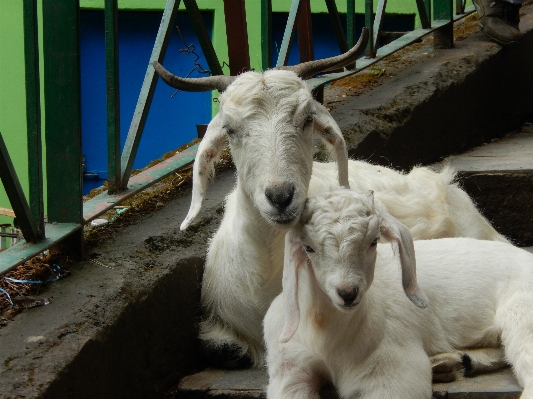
(343, 315)
(269, 119)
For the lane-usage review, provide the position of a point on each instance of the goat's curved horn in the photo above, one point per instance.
(309, 69)
(217, 82)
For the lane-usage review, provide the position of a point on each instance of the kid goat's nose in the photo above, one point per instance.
(348, 295)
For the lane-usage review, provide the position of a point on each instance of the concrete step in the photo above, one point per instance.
(251, 383)
(499, 177)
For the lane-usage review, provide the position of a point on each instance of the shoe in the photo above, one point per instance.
(499, 20)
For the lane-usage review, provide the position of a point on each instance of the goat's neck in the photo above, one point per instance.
(250, 221)
(323, 320)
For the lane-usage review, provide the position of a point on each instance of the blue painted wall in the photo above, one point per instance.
(171, 121)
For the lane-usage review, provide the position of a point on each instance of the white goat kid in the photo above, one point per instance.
(269, 120)
(343, 315)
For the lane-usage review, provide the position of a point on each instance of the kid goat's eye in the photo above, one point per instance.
(308, 249)
(374, 243)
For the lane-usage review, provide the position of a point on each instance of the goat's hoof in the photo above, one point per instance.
(446, 367)
(226, 356)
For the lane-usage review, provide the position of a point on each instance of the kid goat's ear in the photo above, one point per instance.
(394, 231)
(295, 258)
(208, 154)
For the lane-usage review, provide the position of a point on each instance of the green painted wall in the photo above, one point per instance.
(12, 97)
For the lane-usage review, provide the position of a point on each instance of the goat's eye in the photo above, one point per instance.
(374, 243)
(309, 120)
(309, 249)
(228, 130)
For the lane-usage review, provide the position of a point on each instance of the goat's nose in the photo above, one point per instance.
(280, 195)
(348, 295)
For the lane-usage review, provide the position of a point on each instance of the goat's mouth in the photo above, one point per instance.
(347, 307)
(284, 220)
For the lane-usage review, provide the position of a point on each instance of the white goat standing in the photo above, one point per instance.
(269, 119)
(343, 315)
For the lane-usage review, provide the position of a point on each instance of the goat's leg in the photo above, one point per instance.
(516, 322)
(293, 373)
(451, 366)
(483, 360)
(446, 367)
(404, 372)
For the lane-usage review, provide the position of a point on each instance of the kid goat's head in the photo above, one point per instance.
(269, 119)
(336, 238)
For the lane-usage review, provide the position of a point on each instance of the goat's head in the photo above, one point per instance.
(336, 238)
(269, 119)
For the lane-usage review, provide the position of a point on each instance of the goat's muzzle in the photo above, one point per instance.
(280, 195)
(348, 296)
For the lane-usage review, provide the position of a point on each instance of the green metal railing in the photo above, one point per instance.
(66, 212)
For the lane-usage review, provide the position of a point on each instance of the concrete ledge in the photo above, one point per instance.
(244, 384)
(499, 178)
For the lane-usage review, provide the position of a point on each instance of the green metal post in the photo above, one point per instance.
(113, 97)
(443, 10)
(369, 23)
(63, 115)
(33, 115)
(350, 23)
(266, 34)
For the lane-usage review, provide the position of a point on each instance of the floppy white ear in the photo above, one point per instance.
(393, 230)
(295, 257)
(208, 154)
(329, 131)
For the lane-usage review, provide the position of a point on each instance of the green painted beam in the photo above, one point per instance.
(23, 251)
(33, 116)
(16, 196)
(62, 110)
(147, 91)
(350, 23)
(283, 55)
(384, 51)
(266, 34)
(203, 37)
(337, 26)
(104, 202)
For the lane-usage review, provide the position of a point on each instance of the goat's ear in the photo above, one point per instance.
(393, 230)
(208, 153)
(295, 258)
(329, 131)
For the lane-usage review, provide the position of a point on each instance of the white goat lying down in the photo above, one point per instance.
(344, 315)
(270, 119)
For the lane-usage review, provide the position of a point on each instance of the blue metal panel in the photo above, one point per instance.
(325, 43)
(171, 122)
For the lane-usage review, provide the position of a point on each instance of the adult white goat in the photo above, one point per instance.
(343, 315)
(270, 119)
